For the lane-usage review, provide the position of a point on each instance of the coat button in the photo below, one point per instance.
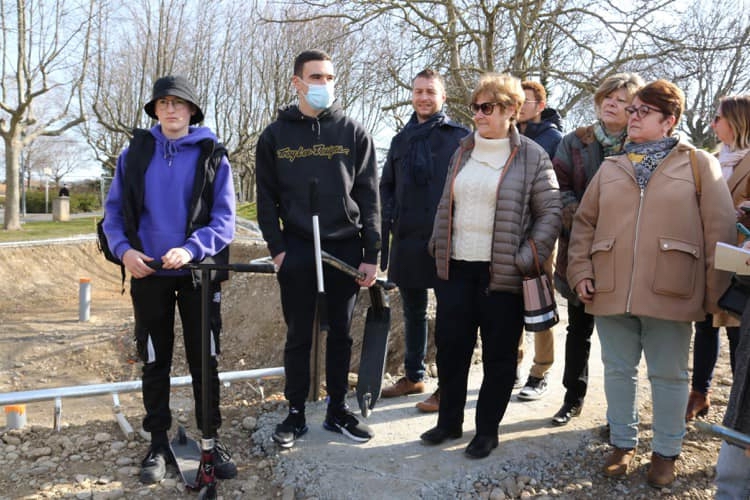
(665, 246)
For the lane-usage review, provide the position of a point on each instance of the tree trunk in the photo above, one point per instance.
(11, 218)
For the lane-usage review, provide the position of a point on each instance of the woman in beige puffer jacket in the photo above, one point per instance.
(501, 191)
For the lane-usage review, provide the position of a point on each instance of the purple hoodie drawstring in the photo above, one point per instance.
(170, 150)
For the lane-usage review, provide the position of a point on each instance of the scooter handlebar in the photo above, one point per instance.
(264, 265)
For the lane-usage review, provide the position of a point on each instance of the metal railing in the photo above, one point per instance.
(115, 388)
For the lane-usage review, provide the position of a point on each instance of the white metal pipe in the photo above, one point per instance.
(56, 393)
(125, 426)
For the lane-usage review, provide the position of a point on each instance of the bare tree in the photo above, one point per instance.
(40, 79)
(56, 157)
(133, 45)
(714, 62)
(568, 45)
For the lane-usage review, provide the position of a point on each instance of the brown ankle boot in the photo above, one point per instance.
(402, 387)
(661, 471)
(698, 405)
(616, 464)
(431, 404)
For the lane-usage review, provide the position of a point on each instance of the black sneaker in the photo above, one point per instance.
(344, 422)
(534, 389)
(224, 467)
(154, 466)
(289, 430)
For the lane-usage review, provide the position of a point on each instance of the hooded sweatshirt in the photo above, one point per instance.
(547, 133)
(339, 153)
(168, 188)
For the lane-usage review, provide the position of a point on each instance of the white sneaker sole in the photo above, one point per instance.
(342, 430)
(530, 397)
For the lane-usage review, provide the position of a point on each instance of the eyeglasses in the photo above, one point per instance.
(177, 104)
(487, 108)
(642, 110)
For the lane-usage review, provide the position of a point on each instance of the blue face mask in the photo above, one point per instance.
(319, 97)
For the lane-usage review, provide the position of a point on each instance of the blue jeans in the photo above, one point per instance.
(414, 303)
(732, 473)
(666, 345)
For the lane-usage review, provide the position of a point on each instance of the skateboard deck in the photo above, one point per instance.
(374, 350)
(187, 456)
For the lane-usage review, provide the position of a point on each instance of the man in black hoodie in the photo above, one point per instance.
(543, 125)
(316, 140)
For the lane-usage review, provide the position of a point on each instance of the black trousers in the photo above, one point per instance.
(577, 349)
(298, 283)
(463, 305)
(154, 299)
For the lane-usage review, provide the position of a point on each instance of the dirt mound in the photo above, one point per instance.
(40, 285)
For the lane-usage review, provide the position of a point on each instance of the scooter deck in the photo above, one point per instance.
(187, 456)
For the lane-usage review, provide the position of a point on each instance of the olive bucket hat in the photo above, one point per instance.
(176, 86)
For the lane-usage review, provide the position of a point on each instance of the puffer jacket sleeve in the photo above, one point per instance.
(545, 206)
(438, 246)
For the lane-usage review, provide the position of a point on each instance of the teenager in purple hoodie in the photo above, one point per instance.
(169, 202)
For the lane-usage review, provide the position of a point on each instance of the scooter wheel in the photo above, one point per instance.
(208, 492)
(181, 435)
(367, 407)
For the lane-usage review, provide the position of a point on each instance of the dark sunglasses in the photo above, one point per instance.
(486, 107)
(641, 110)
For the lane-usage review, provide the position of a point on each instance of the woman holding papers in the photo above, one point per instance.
(641, 259)
(731, 125)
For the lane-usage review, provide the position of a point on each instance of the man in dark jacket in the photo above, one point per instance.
(543, 125)
(316, 141)
(410, 187)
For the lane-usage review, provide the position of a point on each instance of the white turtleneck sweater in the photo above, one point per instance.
(475, 198)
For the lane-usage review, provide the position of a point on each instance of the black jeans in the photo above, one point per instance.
(577, 349)
(299, 291)
(706, 352)
(154, 300)
(463, 305)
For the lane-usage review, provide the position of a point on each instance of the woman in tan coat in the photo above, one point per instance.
(732, 127)
(641, 259)
(501, 191)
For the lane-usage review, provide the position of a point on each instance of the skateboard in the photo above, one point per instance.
(375, 339)
(187, 457)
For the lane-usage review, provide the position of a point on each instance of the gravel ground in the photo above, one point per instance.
(91, 458)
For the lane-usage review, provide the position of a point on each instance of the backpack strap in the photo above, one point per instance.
(202, 201)
(696, 173)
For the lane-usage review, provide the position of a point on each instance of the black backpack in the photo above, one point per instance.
(140, 152)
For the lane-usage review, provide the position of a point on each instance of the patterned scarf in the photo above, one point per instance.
(646, 156)
(611, 144)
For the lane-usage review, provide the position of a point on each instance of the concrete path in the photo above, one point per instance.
(395, 464)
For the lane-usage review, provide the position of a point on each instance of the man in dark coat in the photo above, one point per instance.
(410, 187)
